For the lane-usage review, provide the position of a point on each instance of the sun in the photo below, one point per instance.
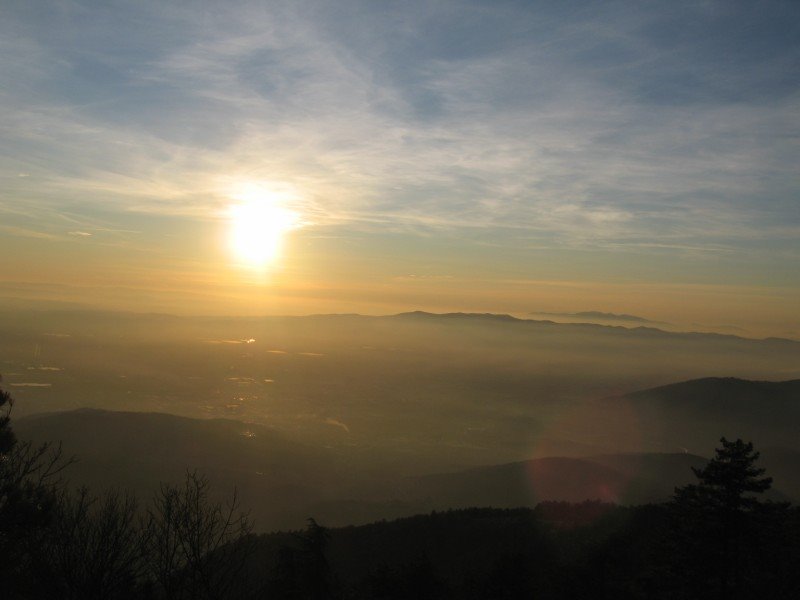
(259, 221)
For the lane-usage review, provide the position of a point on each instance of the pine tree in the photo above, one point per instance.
(726, 479)
(314, 545)
(716, 520)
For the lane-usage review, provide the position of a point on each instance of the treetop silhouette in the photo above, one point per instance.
(728, 478)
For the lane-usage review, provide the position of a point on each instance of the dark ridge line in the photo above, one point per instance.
(641, 328)
(738, 381)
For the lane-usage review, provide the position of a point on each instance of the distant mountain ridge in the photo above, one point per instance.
(458, 315)
(642, 325)
(649, 328)
(595, 314)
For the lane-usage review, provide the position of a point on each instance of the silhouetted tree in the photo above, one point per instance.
(193, 548)
(718, 518)
(301, 570)
(93, 549)
(28, 484)
(726, 479)
(7, 438)
(314, 543)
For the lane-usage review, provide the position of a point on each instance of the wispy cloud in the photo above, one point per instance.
(603, 126)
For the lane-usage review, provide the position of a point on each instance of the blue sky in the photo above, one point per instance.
(661, 138)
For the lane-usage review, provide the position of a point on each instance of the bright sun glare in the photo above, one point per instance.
(260, 218)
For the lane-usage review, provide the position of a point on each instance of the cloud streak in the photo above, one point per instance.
(602, 126)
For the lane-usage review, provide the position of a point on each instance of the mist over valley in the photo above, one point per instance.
(354, 418)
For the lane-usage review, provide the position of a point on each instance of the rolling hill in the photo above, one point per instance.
(282, 481)
(691, 415)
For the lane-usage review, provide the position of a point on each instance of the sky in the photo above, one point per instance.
(305, 157)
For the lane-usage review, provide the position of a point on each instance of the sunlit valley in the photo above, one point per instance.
(338, 410)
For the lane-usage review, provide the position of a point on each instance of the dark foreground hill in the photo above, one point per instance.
(555, 551)
(276, 478)
(282, 482)
(625, 479)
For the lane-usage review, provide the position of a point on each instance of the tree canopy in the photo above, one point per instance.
(728, 481)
